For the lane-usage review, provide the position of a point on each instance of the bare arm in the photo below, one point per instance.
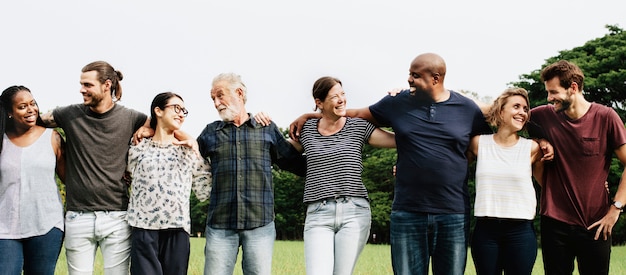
(296, 144)
(296, 125)
(605, 225)
(143, 132)
(536, 157)
(48, 120)
(472, 150)
(382, 139)
(58, 145)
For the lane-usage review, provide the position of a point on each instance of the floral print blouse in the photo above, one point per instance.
(163, 176)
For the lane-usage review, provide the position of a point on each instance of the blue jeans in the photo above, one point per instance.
(335, 233)
(418, 237)
(222, 247)
(37, 255)
(561, 243)
(508, 245)
(85, 231)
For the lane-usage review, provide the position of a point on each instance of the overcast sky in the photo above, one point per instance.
(280, 47)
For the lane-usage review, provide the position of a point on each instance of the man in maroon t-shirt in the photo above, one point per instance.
(577, 213)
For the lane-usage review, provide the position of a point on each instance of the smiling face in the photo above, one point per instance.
(227, 103)
(168, 118)
(334, 105)
(24, 111)
(94, 92)
(558, 96)
(514, 113)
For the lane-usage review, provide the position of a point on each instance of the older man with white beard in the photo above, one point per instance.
(241, 153)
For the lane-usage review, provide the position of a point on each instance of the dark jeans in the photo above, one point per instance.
(561, 243)
(508, 245)
(159, 252)
(36, 255)
(418, 237)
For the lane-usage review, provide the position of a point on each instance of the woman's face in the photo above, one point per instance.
(514, 113)
(172, 115)
(25, 111)
(335, 103)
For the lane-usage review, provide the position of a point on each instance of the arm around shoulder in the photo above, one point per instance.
(382, 138)
(48, 120)
(58, 145)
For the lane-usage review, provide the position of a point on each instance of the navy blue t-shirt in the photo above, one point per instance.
(431, 138)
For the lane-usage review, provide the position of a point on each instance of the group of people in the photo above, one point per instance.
(131, 199)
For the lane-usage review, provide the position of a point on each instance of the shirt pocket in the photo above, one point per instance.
(591, 146)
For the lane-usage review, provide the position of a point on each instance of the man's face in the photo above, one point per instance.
(558, 96)
(92, 90)
(227, 103)
(420, 80)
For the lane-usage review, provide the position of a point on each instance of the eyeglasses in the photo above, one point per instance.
(178, 109)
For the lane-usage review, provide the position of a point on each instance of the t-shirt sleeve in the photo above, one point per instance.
(617, 132)
(380, 110)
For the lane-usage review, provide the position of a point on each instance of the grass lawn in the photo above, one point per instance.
(375, 260)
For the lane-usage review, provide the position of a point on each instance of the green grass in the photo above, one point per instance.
(375, 260)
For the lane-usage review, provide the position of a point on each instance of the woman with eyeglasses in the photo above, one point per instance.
(31, 224)
(163, 173)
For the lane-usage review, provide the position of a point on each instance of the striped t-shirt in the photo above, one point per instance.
(334, 162)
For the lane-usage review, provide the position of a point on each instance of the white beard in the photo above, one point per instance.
(229, 114)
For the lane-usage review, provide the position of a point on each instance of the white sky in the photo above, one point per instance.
(280, 47)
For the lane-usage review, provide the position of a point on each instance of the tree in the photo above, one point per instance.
(603, 60)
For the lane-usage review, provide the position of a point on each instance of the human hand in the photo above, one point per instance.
(605, 225)
(546, 149)
(395, 91)
(262, 118)
(191, 143)
(142, 132)
(296, 126)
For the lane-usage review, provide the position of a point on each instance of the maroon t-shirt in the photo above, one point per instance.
(574, 190)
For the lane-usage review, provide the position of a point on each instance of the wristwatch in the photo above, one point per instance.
(619, 206)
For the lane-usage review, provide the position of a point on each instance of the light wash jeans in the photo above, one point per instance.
(418, 237)
(85, 231)
(222, 247)
(335, 233)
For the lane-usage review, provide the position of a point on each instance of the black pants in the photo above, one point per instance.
(159, 252)
(508, 245)
(562, 243)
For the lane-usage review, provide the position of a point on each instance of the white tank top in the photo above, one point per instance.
(504, 187)
(29, 197)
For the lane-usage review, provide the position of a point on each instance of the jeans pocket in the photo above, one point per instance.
(315, 206)
(117, 215)
(71, 215)
(360, 203)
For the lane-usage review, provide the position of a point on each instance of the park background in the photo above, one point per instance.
(281, 47)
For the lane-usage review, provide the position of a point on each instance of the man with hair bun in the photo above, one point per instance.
(98, 133)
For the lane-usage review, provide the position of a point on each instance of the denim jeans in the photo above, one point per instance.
(335, 232)
(222, 247)
(85, 231)
(561, 243)
(418, 237)
(508, 245)
(36, 255)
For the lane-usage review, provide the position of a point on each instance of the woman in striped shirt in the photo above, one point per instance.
(338, 216)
